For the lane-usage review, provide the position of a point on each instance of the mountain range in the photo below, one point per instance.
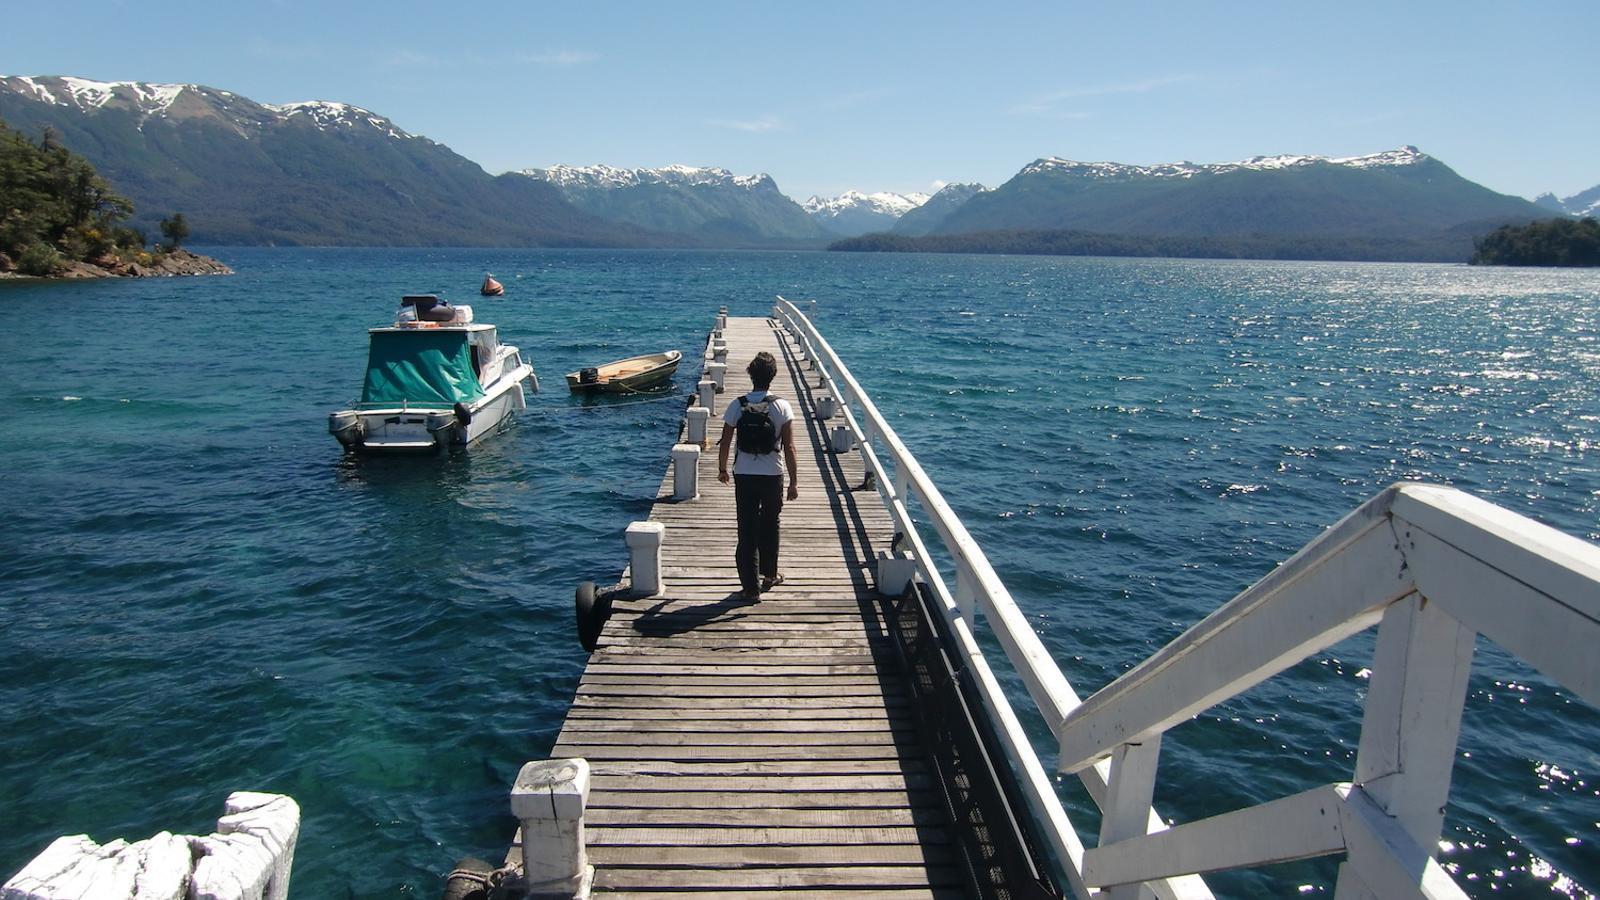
(1584, 203)
(852, 212)
(711, 206)
(332, 173)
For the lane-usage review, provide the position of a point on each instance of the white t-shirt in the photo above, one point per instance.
(766, 463)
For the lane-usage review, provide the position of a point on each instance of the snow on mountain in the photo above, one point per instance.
(186, 101)
(883, 203)
(1404, 156)
(603, 176)
(1581, 204)
(327, 114)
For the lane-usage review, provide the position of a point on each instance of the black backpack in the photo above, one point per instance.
(755, 434)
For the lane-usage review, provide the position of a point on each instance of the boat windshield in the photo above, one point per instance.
(420, 368)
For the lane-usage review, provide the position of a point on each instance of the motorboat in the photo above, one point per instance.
(626, 376)
(435, 379)
(491, 288)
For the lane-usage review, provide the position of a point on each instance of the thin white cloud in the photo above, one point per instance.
(1048, 104)
(561, 58)
(755, 126)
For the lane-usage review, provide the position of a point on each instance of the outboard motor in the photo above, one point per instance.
(590, 375)
(442, 427)
(347, 428)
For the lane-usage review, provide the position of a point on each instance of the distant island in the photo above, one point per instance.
(1552, 242)
(61, 220)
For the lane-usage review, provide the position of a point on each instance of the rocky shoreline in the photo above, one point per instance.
(170, 263)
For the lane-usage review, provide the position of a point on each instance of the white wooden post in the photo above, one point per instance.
(644, 556)
(719, 345)
(706, 393)
(842, 439)
(826, 407)
(720, 354)
(1413, 715)
(718, 372)
(549, 799)
(895, 570)
(1129, 790)
(685, 471)
(699, 416)
(248, 857)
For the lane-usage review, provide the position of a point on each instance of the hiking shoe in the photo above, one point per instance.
(768, 584)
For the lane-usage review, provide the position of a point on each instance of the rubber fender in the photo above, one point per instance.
(469, 880)
(592, 611)
(463, 415)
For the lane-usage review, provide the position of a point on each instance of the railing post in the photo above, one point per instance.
(549, 799)
(644, 556)
(685, 471)
(1413, 718)
(966, 595)
(699, 417)
(1129, 791)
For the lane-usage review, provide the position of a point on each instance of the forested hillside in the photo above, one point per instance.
(1553, 242)
(55, 209)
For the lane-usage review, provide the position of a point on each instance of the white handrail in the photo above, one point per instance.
(977, 589)
(1435, 566)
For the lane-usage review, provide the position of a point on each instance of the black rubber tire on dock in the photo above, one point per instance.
(469, 880)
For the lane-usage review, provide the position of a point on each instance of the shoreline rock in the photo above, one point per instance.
(169, 264)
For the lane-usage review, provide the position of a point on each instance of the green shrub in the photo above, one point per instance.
(39, 259)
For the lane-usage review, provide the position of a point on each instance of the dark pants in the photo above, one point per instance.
(758, 499)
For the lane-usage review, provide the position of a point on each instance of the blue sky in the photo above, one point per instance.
(887, 96)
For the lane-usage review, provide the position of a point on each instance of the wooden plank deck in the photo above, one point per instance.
(747, 748)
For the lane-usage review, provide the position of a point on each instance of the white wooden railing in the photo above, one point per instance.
(1432, 567)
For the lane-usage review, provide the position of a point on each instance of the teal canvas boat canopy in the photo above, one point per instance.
(420, 368)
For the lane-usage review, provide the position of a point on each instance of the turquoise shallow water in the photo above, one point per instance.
(200, 595)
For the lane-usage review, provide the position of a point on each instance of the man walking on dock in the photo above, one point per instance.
(759, 424)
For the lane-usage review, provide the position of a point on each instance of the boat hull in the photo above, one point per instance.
(416, 430)
(662, 368)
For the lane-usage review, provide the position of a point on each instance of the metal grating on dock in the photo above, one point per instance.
(751, 747)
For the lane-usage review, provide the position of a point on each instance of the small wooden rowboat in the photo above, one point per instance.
(626, 376)
(491, 288)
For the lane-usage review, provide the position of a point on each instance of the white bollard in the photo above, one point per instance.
(718, 372)
(716, 334)
(720, 354)
(719, 345)
(826, 407)
(895, 570)
(722, 321)
(842, 439)
(644, 556)
(706, 393)
(249, 857)
(699, 416)
(549, 799)
(685, 471)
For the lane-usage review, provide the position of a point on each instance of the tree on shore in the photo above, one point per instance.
(54, 208)
(175, 230)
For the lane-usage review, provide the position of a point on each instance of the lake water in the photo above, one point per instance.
(200, 594)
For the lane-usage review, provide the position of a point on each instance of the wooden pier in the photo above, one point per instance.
(745, 747)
